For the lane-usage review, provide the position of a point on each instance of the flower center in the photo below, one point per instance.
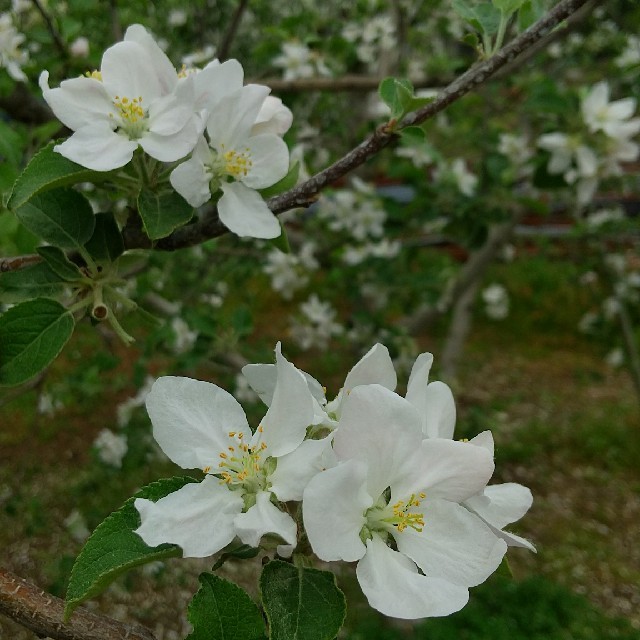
(229, 162)
(387, 518)
(131, 116)
(242, 466)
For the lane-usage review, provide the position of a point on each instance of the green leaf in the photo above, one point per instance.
(162, 212)
(243, 552)
(288, 182)
(395, 93)
(11, 144)
(49, 170)
(530, 12)
(220, 610)
(483, 16)
(60, 264)
(301, 603)
(30, 282)
(114, 548)
(106, 243)
(281, 242)
(32, 334)
(62, 217)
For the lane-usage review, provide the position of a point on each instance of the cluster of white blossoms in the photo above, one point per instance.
(298, 61)
(588, 156)
(380, 478)
(290, 271)
(496, 301)
(374, 40)
(12, 57)
(315, 325)
(456, 172)
(137, 99)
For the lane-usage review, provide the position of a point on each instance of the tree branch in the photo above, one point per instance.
(223, 52)
(55, 34)
(307, 192)
(42, 613)
(21, 105)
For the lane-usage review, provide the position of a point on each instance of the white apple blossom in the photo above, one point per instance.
(385, 248)
(290, 271)
(298, 61)
(316, 324)
(79, 48)
(496, 301)
(111, 447)
(12, 57)
(615, 358)
(613, 118)
(392, 486)
(235, 163)
(135, 99)
(459, 174)
(516, 148)
(199, 425)
(630, 55)
(184, 337)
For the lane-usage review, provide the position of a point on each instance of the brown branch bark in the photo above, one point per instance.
(229, 36)
(29, 606)
(307, 192)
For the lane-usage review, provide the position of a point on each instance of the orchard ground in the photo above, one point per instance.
(565, 424)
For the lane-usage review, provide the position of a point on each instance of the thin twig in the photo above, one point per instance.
(18, 262)
(229, 36)
(116, 27)
(29, 606)
(53, 31)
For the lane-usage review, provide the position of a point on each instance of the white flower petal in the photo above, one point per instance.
(485, 440)
(295, 469)
(270, 161)
(263, 518)
(291, 411)
(169, 148)
(455, 544)
(191, 180)
(333, 509)
(274, 117)
(438, 411)
(262, 379)
(198, 517)
(191, 420)
(98, 147)
(418, 380)
(216, 81)
(445, 469)
(513, 540)
(128, 71)
(381, 429)
(170, 114)
(375, 367)
(506, 503)
(78, 101)
(393, 586)
(243, 211)
(164, 69)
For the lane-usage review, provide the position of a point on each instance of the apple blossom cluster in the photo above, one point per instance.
(298, 61)
(12, 57)
(315, 325)
(227, 135)
(586, 157)
(379, 479)
(290, 271)
(374, 41)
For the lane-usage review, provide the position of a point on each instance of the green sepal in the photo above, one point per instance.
(162, 212)
(34, 281)
(286, 183)
(61, 217)
(60, 264)
(301, 603)
(221, 610)
(281, 242)
(32, 334)
(49, 170)
(241, 552)
(106, 244)
(114, 548)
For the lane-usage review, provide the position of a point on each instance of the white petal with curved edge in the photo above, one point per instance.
(274, 117)
(169, 148)
(418, 380)
(375, 367)
(262, 379)
(216, 81)
(170, 114)
(191, 180)
(198, 517)
(439, 418)
(333, 507)
(128, 72)
(78, 101)
(191, 420)
(163, 67)
(269, 160)
(485, 440)
(263, 518)
(381, 429)
(243, 211)
(290, 413)
(295, 470)
(445, 469)
(98, 147)
(393, 586)
(454, 545)
(506, 503)
(513, 540)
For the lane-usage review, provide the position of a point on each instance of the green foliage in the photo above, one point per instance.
(59, 263)
(30, 282)
(162, 212)
(32, 334)
(286, 183)
(221, 610)
(114, 548)
(48, 170)
(301, 603)
(106, 244)
(398, 94)
(61, 217)
(484, 17)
